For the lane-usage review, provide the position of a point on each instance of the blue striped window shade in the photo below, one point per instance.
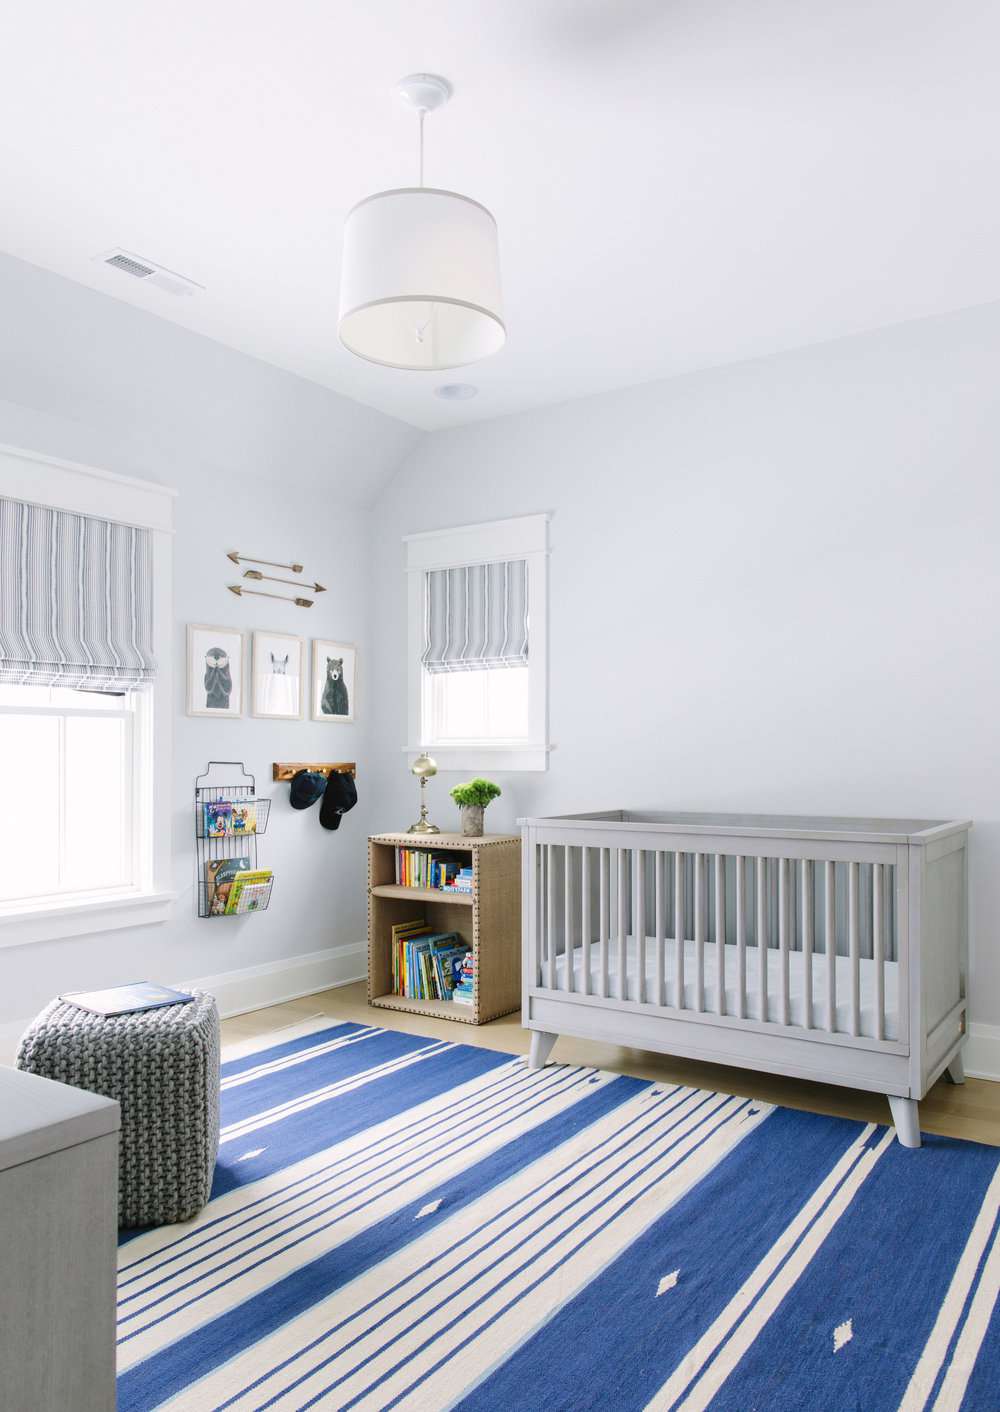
(476, 617)
(76, 605)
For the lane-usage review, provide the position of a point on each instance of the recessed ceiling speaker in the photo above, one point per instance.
(456, 392)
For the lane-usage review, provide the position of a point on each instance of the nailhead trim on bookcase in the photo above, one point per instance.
(478, 1015)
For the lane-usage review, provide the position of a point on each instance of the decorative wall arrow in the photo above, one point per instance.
(247, 559)
(256, 574)
(239, 590)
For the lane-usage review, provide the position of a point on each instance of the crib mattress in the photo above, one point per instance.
(796, 986)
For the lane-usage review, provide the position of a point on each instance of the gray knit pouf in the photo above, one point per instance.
(163, 1068)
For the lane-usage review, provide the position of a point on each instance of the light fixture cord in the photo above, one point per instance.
(423, 114)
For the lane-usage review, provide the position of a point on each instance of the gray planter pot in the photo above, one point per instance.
(472, 820)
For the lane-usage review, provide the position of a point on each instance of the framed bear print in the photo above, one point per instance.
(334, 680)
(215, 671)
(279, 662)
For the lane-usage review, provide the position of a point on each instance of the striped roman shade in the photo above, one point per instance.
(476, 616)
(75, 600)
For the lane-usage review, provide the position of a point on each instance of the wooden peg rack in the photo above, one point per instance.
(285, 771)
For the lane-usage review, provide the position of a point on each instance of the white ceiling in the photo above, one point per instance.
(678, 183)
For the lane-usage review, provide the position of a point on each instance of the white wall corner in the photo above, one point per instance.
(256, 987)
(982, 1052)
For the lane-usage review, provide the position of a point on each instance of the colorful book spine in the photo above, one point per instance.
(416, 867)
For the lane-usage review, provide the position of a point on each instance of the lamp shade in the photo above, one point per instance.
(420, 281)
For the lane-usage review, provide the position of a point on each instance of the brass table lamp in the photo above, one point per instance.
(424, 768)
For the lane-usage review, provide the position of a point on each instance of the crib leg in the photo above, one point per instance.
(956, 1069)
(906, 1118)
(541, 1048)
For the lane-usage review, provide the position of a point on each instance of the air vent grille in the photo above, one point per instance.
(130, 266)
(152, 274)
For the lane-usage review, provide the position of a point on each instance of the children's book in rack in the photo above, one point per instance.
(228, 820)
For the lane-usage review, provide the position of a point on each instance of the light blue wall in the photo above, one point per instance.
(266, 463)
(774, 587)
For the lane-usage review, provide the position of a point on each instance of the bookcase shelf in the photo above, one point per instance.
(423, 894)
(489, 921)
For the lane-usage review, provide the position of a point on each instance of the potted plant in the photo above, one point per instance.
(472, 799)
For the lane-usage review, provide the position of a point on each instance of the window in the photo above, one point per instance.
(477, 645)
(69, 762)
(84, 598)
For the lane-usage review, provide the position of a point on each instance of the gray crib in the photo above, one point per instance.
(821, 948)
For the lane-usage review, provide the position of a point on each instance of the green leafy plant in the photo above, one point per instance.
(477, 793)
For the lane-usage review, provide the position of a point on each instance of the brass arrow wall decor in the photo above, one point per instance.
(256, 574)
(239, 590)
(248, 559)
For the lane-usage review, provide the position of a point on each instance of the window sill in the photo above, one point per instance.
(472, 756)
(56, 919)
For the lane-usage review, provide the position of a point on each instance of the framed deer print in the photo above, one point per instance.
(279, 661)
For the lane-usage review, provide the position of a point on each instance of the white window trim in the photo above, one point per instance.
(524, 537)
(84, 490)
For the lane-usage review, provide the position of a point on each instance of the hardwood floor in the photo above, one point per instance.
(970, 1111)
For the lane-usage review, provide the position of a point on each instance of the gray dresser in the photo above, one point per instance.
(58, 1237)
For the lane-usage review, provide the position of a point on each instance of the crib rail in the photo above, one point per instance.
(795, 936)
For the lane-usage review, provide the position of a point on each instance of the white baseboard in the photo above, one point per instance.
(982, 1052)
(256, 987)
(253, 988)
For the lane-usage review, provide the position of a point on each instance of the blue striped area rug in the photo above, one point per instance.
(400, 1222)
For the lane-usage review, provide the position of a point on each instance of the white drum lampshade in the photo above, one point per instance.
(420, 281)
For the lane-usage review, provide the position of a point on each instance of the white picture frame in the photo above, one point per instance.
(332, 685)
(278, 683)
(216, 670)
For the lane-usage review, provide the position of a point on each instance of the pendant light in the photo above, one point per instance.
(420, 279)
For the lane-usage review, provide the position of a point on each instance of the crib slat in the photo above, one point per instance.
(639, 921)
(660, 891)
(539, 911)
(783, 908)
(741, 938)
(679, 930)
(854, 946)
(585, 917)
(830, 944)
(807, 942)
(720, 934)
(878, 950)
(604, 918)
(699, 931)
(762, 947)
(550, 915)
(568, 950)
(622, 925)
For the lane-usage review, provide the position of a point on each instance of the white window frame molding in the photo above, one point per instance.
(522, 537)
(84, 490)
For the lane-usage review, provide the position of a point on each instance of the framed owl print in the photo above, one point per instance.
(215, 671)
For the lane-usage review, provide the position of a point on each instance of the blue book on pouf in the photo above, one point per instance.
(126, 999)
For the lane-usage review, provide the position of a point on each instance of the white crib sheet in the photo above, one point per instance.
(796, 985)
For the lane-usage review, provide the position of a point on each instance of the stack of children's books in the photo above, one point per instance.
(464, 992)
(416, 867)
(234, 887)
(461, 882)
(228, 816)
(426, 964)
